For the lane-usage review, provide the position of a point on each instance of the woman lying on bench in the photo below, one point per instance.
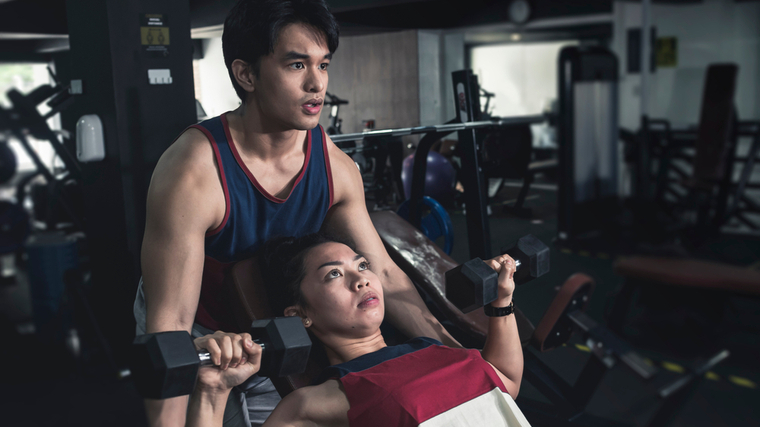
(340, 300)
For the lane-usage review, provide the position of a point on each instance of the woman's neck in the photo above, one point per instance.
(343, 350)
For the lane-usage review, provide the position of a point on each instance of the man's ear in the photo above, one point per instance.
(243, 74)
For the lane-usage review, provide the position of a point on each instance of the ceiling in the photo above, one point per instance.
(29, 27)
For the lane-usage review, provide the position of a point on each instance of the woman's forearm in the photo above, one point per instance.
(206, 407)
(503, 348)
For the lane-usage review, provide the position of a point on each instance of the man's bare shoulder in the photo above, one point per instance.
(347, 180)
(190, 154)
(187, 177)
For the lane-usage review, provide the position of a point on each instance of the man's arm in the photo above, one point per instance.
(348, 216)
(183, 203)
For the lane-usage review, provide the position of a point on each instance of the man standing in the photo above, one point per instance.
(266, 169)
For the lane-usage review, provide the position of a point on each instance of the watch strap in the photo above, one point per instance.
(492, 311)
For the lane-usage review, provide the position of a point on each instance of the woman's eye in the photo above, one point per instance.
(333, 274)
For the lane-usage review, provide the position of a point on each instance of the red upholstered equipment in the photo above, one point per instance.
(691, 273)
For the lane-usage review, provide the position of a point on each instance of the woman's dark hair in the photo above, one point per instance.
(252, 27)
(282, 265)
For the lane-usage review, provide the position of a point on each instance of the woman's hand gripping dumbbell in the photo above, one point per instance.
(475, 283)
(166, 364)
(237, 357)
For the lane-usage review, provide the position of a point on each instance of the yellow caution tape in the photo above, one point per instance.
(582, 348)
(743, 382)
(673, 367)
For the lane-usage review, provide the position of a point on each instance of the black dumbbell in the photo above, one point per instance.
(475, 284)
(165, 364)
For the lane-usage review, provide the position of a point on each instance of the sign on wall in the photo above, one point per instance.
(667, 52)
(154, 34)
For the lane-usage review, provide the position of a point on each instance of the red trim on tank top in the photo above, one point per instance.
(218, 157)
(248, 173)
(327, 165)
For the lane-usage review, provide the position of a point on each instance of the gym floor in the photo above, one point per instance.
(43, 387)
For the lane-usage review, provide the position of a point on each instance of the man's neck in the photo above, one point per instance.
(343, 350)
(258, 137)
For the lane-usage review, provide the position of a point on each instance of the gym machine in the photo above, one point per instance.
(437, 276)
(694, 167)
(370, 157)
(56, 261)
(587, 134)
(335, 122)
(470, 131)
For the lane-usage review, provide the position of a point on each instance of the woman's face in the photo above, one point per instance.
(344, 296)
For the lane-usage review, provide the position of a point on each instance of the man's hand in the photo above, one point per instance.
(506, 267)
(236, 357)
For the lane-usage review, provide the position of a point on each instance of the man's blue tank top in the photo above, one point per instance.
(254, 216)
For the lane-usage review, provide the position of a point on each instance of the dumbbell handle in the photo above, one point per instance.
(518, 263)
(205, 356)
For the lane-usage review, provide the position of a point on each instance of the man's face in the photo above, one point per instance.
(292, 80)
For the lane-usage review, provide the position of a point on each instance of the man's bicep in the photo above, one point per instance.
(173, 253)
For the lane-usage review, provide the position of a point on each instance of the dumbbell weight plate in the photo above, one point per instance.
(164, 364)
(471, 285)
(531, 252)
(434, 221)
(287, 345)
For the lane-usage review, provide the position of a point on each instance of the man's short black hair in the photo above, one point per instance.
(252, 27)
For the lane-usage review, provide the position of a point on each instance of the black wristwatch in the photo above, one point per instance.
(492, 311)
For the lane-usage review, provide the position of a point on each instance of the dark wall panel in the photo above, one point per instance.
(140, 121)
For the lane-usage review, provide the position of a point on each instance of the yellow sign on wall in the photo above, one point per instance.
(154, 35)
(666, 52)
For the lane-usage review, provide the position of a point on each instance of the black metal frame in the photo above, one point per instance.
(24, 118)
(667, 145)
(578, 64)
(470, 134)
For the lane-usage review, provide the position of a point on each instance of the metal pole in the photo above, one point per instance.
(444, 128)
(646, 54)
(643, 172)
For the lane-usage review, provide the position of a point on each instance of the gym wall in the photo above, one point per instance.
(379, 76)
(140, 120)
(707, 32)
(215, 90)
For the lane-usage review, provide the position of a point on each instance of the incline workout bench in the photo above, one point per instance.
(426, 264)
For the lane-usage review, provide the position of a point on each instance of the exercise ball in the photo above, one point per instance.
(440, 176)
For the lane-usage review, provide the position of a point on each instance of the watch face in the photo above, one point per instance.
(519, 11)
